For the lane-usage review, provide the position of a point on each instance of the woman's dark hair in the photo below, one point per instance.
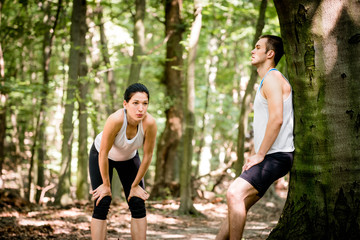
(274, 43)
(134, 88)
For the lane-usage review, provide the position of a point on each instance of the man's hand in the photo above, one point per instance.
(138, 192)
(253, 160)
(100, 192)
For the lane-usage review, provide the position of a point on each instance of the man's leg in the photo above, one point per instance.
(138, 228)
(98, 229)
(223, 233)
(241, 196)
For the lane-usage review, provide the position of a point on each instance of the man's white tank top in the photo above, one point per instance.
(123, 149)
(285, 140)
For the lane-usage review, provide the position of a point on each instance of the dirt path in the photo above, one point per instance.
(163, 221)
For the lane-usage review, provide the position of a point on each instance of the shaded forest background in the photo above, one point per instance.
(64, 66)
(62, 75)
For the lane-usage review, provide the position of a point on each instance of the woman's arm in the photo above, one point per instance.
(149, 145)
(112, 127)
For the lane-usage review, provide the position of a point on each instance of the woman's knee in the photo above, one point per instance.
(102, 209)
(137, 207)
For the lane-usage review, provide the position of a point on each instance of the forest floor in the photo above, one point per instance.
(20, 220)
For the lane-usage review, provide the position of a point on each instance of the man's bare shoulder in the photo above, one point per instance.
(275, 76)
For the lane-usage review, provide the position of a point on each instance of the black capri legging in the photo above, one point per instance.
(127, 171)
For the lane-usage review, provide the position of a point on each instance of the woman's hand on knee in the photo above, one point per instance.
(138, 192)
(100, 192)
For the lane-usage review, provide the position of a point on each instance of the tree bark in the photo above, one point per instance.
(114, 103)
(40, 136)
(77, 33)
(215, 43)
(82, 186)
(173, 80)
(186, 202)
(3, 106)
(322, 45)
(139, 42)
(249, 95)
(19, 154)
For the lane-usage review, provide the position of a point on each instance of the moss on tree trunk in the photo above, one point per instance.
(324, 192)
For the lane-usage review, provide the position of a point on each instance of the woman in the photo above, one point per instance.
(125, 131)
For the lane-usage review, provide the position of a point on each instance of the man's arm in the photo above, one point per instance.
(272, 91)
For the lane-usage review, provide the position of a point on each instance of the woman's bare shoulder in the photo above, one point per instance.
(149, 121)
(116, 118)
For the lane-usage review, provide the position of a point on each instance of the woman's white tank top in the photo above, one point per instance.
(123, 149)
(285, 140)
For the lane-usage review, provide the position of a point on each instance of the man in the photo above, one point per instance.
(273, 138)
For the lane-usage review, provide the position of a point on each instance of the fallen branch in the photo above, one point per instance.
(44, 190)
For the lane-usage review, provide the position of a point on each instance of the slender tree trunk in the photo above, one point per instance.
(173, 80)
(77, 34)
(114, 103)
(214, 44)
(139, 42)
(3, 105)
(322, 45)
(3, 110)
(18, 153)
(186, 203)
(249, 94)
(202, 130)
(40, 136)
(82, 186)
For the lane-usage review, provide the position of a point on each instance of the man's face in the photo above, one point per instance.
(258, 54)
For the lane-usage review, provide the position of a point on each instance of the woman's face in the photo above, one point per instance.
(137, 106)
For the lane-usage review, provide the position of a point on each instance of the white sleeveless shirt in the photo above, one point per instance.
(123, 149)
(285, 140)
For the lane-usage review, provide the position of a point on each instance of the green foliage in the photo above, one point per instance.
(223, 54)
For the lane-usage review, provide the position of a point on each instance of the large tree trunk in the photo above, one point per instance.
(249, 94)
(77, 33)
(139, 42)
(173, 80)
(186, 202)
(322, 43)
(82, 186)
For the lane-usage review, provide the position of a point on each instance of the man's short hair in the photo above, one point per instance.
(274, 43)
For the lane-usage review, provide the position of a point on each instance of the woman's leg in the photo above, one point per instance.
(138, 228)
(98, 229)
(98, 221)
(127, 171)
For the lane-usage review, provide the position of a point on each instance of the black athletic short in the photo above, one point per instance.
(273, 167)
